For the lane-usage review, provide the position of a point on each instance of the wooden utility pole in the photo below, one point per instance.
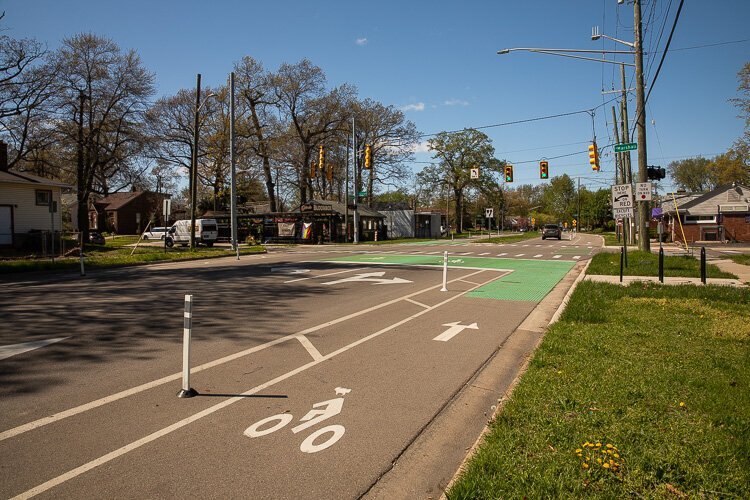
(643, 206)
(194, 163)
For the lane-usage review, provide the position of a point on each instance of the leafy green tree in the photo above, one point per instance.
(692, 174)
(559, 197)
(456, 154)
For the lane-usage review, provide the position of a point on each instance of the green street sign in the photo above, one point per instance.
(362, 193)
(625, 146)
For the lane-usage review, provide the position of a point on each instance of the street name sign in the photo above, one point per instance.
(626, 146)
(643, 191)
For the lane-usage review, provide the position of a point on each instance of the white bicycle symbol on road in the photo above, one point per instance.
(326, 410)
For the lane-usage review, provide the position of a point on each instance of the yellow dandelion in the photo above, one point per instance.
(609, 446)
(598, 460)
(606, 466)
(559, 372)
(598, 445)
(617, 456)
(578, 450)
(585, 465)
(682, 403)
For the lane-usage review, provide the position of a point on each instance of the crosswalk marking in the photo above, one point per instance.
(556, 256)
(501, 254)
(520, 255)
(485, 253)
(576, 257)
(537, 256)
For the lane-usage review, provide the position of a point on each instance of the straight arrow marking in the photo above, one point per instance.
(7, 351)
(455, 328)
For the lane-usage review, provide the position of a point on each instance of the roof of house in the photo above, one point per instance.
(16, 177)
(116, 201)
(735, 194)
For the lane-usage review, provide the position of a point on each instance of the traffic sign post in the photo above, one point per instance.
(626, 146)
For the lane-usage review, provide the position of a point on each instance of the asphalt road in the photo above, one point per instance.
(322, 372)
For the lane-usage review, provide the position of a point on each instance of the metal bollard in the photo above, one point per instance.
(622, 256)
(445, 272)
(187, 391)
(703, 265)
(661, 265)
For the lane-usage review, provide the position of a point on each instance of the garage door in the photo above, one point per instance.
(6, 225)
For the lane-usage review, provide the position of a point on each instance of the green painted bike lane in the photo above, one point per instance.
(528, 281)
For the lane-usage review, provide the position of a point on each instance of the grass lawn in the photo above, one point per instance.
(637, 392)
(115, 252)
(743, 259)
(610, 239)
(647, 264)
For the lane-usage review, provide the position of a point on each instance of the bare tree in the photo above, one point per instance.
(104, 93)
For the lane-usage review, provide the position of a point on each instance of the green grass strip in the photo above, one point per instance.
(638, 392)
(647, 264)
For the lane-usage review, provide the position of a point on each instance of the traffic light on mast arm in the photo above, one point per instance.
(508, 173)
(368, 156)
(321, 157)
(594, 157)
(543, 170)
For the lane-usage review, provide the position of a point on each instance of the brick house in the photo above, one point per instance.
(126, 213)
(719, 215)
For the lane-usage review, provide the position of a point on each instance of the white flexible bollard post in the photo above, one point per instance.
(187, 391)
(445, 272)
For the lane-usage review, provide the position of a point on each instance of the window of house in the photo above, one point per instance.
(700, 219)
(43, 197)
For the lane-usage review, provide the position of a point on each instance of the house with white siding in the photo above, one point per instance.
(29, 207)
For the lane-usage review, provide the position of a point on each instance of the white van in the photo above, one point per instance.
(206, 232)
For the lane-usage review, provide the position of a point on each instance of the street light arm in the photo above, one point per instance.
(581, 57)
(555, 51)
(597, 35)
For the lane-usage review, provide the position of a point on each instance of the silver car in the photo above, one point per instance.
(551, 231)
(155, 233)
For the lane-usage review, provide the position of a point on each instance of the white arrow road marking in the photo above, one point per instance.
(289, 270)
(455, 328)
(373, 277)
(7, 351)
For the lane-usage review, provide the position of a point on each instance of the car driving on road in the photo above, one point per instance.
(551, 231)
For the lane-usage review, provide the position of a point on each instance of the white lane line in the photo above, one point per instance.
(7, 351)
(469, 282)
(537, 256)
(418, 303)
(520, 255)
(484, 253)
(432, 253)
(309, 347)
(501, 254)
(556, 256)
(176, 376)
(213, 409)
(576, 257)
(324, 275)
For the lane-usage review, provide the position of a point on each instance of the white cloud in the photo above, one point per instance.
(456, 102)
(413, 107)
(421, 147)
(361, 41)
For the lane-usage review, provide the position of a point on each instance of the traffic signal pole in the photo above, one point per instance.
(356, 184)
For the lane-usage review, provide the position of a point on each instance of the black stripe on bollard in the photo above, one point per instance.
(661, 265)
(703, 265)
(622, 257)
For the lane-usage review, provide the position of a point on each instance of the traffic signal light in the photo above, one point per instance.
(594, 157)
(655, 173)
(321, 157)
(368, 156)
(508, 173)
(543, 170)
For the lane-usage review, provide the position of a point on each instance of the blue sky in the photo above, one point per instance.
(437, 61)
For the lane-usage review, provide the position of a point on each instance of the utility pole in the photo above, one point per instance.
(643, 208)
(233, 190)
(194, 166)
(618, 156)
(356, 184)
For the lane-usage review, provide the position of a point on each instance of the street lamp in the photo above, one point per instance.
(194, 166)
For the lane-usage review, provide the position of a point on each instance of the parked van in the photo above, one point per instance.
(206, 232)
